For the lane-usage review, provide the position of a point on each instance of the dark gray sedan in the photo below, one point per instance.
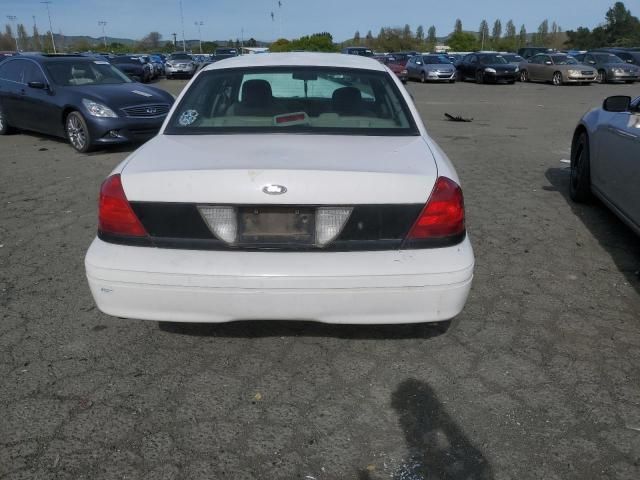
(610, 67)
(605, 155)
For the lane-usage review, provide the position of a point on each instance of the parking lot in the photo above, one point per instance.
(538, 378)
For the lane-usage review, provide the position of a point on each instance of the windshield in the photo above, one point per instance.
(563, 60)
(513, 58)
(435, 60)
(179, 56)
(293, 99)
(492, 59)
(70, 74)
(608, 58)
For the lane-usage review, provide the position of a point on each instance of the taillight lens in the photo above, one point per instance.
(443, 215)
(115, 215)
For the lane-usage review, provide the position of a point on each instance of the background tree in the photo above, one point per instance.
(458, 27)
(406, 32)
(356, 38)
(8, 41)
(48, 46)
(522, 37)
(496, 33)
(463, 42)
(36, 42)
(542, 38)
(432, 39)
(23, 37)
(151, 41)
(483, 33)
(420, 34)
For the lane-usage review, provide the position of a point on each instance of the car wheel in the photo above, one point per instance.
(5, 128)
(479, 77)
(453, 80)
(423, 78)
(78, 132)
(580, 177)
(557, 79)
(602, 76)
(629, 82)
(524, 76)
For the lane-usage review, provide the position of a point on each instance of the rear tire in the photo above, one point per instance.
(5, 128)
(557, 79)
(524, 76)
(479, 77)
(602, 76)
(78, 132)
(580, 178)
(423, 78)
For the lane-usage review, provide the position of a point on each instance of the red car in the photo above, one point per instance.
(396, 66)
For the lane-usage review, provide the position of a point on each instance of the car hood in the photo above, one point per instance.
(315, 169)
(123, 95)
(440, 66)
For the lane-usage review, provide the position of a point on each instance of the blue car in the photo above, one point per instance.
(89, 102)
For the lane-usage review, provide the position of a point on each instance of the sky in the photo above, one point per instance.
(226, 19)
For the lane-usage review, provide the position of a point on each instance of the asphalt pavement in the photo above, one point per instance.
(538, 378)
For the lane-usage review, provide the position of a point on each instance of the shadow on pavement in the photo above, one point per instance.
(268, 328)
(438, 449)
(612, 234)
(118, 148)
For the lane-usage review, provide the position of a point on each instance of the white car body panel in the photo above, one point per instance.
(354, 287)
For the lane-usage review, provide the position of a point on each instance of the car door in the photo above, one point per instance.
(37, 104)
(470, 67)
(617, 174)
(533, 68)
(11, 73)
(411, 67)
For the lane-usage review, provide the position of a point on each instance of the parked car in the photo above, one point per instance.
(627, 55)
(155, 72)
(401, 57)
(397, 67)
(223, 53)
(4, 55)
(513, 58)
(487, 67)
(88, 102)
(135, 67)
(528, 52)
(291, 187)
(431, 68)
(556, 68)
(158, 64)
(362, 51)
(180, 64)
(610, 67)
(604, 158)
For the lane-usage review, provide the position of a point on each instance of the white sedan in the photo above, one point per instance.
(297, 186)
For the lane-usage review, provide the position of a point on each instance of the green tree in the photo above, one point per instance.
(356, 38)
(420, 34)
(483, 33)
(36, 42)
(458, 27)
(496, 33)
(406, 32)
(432, 38)
(542, 38)
(522, 37)
(23, 38)
(463, 42)
(369, 39)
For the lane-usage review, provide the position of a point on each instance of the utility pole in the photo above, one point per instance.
(53, 43)
(12, 19)
(184, 43)
(103, 24)
(242, 41)
(199, 25)
(175, 42)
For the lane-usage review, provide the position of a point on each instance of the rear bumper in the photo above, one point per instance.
(331, 287)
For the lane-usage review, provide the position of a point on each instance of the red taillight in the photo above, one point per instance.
(443, 215)
(115, 215)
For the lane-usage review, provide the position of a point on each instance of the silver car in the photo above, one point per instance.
(431, 68)
(180, 64)
(605, 154)
(610, 67)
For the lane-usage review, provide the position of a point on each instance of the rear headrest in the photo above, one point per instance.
(256, 92)
(347, 100)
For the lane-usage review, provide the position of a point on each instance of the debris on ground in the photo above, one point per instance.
(457, 118)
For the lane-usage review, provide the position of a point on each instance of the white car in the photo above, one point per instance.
(298, 186)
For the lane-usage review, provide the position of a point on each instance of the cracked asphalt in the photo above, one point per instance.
(538, 378)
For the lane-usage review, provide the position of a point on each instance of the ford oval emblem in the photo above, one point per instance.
(274, 189)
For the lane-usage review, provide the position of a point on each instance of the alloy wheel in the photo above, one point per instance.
(423, 79)
(557, 79)
(524, 76)
(602, 76)
(1, 121)
(76, 133)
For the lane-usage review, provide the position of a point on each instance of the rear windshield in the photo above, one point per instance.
(293, 99)
(180, 56)
(98, 72)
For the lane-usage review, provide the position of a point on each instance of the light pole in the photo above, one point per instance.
(103, 24)
(12, 19)
(199, 25)
(53, 43)
(184, 44)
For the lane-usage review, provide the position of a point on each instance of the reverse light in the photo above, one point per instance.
(115, 215)
(329, 223)
(97, 109)
(443, 215)
(222, 221)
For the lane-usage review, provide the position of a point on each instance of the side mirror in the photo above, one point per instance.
(418, 63)
(592, 62)
(618, 103)
(548, 63)
(38, 85)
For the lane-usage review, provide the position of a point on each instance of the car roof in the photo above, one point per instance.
(302, 59)
(47, 57)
